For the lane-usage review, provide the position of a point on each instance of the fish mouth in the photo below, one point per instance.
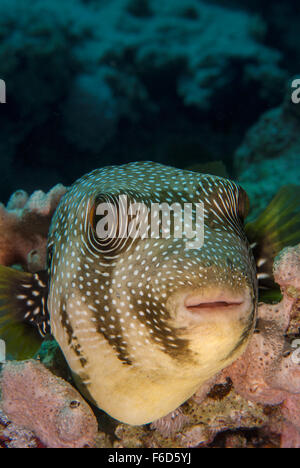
(194, 303)
(210, 305)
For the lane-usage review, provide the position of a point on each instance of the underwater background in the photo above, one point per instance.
(91, 83)
(207, 85)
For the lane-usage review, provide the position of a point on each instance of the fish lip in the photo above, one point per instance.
(210, 306)
(197, 303)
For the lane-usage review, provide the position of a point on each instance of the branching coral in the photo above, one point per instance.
(24, 226)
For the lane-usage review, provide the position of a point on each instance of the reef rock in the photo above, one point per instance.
(269, 370)
(198, 425)
(268, 158)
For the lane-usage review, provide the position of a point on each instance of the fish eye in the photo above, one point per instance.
(115, 221)
(108, 221)
(243, 204)
(103, 217)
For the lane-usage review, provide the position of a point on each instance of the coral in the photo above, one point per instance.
(287, 271)
(24, 225)
(13, 436)
(290, 436)
(200, 423)
(17, 437)
(34, 399)
(274, 134)
(203, 38)
(36, 69)
(268, 372)
(85, 68)
(171, 423)
(268, 158)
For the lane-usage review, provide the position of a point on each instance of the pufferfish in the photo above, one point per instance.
(143, 320)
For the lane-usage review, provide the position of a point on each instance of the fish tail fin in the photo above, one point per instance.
(278, 226)
(24, 318)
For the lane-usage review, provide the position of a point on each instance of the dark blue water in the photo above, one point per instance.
(181, 82)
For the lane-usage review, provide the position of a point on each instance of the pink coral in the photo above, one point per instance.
(24, 226)
(269, 370)
(287, 270)
(35, 399)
